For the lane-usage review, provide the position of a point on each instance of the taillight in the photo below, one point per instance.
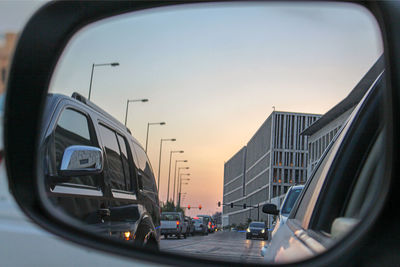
(177, 224)
(209, 223)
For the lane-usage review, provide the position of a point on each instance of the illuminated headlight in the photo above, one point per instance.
(248, 230)
(263, 231)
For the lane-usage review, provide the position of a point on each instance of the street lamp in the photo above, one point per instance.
(159, 160)
(180, 189)
(113, 64)
(176, 161)
(169, 171)
(177, 184)
(130, 101)
(148, 124)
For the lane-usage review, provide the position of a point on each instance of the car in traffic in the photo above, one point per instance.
(210, 222)
(97, 172)
(173, 224)
(257, 230)
(333, 203)
(189, 226)
(281, 215)
(200, 225)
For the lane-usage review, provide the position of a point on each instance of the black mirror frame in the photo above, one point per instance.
(36, 54)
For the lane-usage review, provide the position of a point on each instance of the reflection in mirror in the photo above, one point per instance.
(180, 128)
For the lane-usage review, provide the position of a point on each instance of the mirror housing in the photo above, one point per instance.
(270, 208)
(81, 161)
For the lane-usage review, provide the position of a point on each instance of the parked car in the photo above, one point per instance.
(96, 171)
(333, 203)
(173, 223)
(200, 225)
(189, 225)
(258, 230)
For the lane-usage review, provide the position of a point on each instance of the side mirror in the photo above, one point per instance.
(81, 161)
(270, 209)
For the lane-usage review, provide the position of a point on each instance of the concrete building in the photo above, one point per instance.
(321, 133)
(7, 43)
(274, 159)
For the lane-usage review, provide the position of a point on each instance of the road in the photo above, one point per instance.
(231, 246)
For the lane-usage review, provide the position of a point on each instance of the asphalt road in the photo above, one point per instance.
(231, 246)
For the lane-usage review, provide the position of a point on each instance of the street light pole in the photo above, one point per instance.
(159, 160)
(169, 171)
(130, 101)
(179, 177)
(180, 189)
(176, 161)
(147, 135)
(114, 64)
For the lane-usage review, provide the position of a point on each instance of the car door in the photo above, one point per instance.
(341, 189)
(122, 202)
(80, 197)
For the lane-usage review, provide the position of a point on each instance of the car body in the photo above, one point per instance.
(200, 225)
(210, 222)
(173, 224)
(257, 230)
(189, 225)
(288, 202)
(119, 199)
(324, 213)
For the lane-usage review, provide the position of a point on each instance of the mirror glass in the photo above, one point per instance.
(207, 112)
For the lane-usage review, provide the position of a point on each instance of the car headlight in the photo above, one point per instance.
(263, 231)
(248, 230)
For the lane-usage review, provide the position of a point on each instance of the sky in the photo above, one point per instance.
(213, 74)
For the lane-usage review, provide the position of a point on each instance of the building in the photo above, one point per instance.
(274, 159)
(7, 43)
(321, 133)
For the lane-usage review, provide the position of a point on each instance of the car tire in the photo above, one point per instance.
(184, 236)
(165, 236)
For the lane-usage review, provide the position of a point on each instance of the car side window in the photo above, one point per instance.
(125, 162)
(145, 167)
(115, 173)
(72, 129)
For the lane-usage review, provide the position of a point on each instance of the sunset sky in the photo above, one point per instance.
(213, 73)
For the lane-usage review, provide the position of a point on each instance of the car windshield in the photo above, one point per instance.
(257, 225)
(290, 200)
(170, 217)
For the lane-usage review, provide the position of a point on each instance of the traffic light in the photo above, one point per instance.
(244, 205)
(232, 205)
(219, 203)
(199, 207)
(188, 207)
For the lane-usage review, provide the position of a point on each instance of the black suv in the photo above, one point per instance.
(97, 172)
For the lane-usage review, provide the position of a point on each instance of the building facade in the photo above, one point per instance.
(321, 133)
(274, 159)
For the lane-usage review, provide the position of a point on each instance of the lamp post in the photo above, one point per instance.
(176, 162)
(180, 189)
(147, 135)
(113, 64)
(131, 101)
(169, 171)
(159, 160)
(177, 184)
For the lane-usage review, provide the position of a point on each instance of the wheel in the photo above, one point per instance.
(248, 237)
(166, 236)
(184, 235)
(178, 236)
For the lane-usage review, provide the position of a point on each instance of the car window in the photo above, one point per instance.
(72, 129)
(115, 171)
(145, 167)
(125, 162)
(290, 200)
